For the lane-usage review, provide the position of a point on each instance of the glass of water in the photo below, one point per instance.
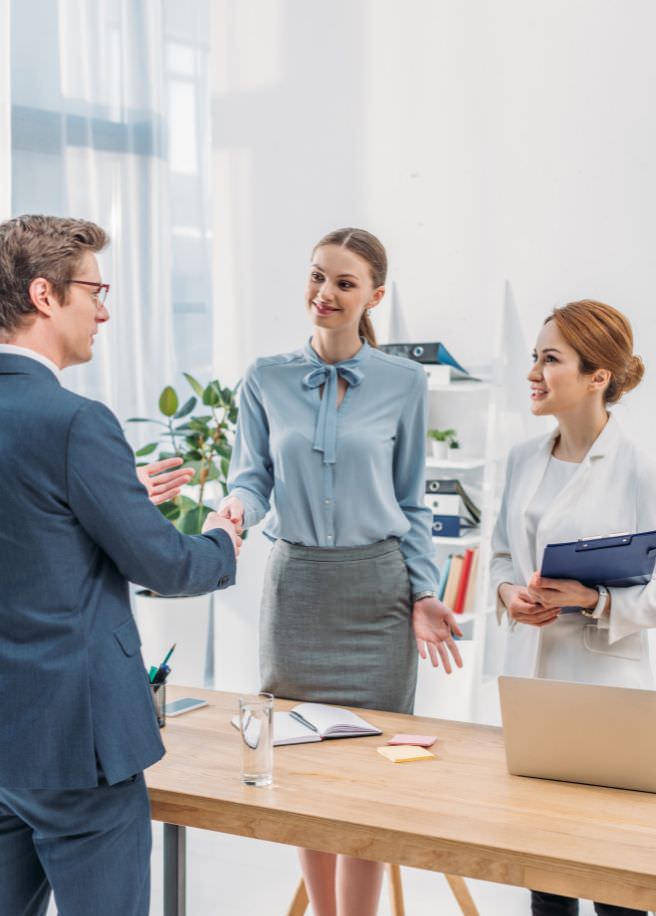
(256, 727)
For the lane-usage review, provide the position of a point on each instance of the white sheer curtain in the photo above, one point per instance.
(5, 112)
(92, 129)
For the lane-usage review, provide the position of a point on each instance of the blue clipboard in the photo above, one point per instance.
(619, 560)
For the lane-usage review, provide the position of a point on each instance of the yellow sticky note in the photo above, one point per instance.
(404, 753)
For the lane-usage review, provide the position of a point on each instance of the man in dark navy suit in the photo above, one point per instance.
(77, 725)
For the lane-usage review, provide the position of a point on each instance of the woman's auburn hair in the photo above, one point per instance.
(603, 338)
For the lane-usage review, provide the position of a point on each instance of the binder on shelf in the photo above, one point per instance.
(444, 577)
(470, 595)
(459, 603)
(439, 489)
(451, 526)
(442, 369)
(451, 590)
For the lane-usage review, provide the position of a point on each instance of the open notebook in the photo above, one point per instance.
(314, 722)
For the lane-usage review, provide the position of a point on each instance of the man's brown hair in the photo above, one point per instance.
(40, 246)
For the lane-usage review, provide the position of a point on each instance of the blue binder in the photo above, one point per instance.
(620, 560)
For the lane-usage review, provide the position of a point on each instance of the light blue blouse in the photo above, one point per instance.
(336, 476)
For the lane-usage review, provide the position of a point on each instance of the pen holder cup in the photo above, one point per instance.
(158, 693)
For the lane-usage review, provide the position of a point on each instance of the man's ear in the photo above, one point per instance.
(41, 295)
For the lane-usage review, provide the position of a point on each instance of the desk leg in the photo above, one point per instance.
(175, 843)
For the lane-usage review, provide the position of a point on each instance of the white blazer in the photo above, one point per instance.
(612, 491)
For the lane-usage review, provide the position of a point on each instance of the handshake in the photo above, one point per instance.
(229, 518)
(164, 480)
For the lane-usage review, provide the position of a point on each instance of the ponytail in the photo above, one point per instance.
(366, 330)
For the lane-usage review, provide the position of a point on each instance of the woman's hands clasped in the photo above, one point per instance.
(434, 627)
(540, 602)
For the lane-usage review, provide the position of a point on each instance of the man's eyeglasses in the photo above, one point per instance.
(99, 292)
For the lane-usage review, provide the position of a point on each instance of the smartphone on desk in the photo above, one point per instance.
(183, 704)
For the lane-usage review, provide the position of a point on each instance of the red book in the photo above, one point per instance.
(459, 603)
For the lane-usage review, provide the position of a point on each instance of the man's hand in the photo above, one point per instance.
(435, 626)
(214, 520)
(163, 483)
(523, 608)
(552, 593)
(233, 509)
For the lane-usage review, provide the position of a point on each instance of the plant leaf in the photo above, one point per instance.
(198, 388)
(192, 521)
(146, 450)
(186, 408)
(169, 510)
(212, 394)
(168, 401)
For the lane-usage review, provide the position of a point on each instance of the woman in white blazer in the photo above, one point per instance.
(586, 478)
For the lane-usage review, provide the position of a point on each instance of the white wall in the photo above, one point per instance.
(481, 141)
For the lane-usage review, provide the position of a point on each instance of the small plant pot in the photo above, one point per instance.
(439, 450)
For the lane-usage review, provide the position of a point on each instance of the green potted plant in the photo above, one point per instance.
(204, 441)
(441, 441)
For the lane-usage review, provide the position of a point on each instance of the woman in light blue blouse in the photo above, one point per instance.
(331, 443)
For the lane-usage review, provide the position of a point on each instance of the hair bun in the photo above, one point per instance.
(634, 373)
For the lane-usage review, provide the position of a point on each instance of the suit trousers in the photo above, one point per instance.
(554, 905)
(91, 847)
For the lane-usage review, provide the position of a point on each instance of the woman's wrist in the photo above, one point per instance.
(591, 599)
(503, 591)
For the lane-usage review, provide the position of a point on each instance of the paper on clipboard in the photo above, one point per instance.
(617, 560)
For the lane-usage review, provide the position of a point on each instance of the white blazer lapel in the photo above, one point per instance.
(533, 474)
(604, 443)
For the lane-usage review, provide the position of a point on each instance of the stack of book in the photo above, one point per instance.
(454, 512)
(458, 581)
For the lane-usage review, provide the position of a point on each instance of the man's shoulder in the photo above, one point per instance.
(68, 404)
(58, 412)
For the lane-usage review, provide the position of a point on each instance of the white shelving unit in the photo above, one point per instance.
(469, 407)
(467, 540)
(457, 464)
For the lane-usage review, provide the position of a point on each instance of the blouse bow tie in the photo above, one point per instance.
(326, 429)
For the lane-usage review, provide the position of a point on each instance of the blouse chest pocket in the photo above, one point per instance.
(595, 640)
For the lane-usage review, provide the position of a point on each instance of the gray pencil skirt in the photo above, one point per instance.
(335, 626)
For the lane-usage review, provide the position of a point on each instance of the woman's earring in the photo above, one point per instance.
(368, 313)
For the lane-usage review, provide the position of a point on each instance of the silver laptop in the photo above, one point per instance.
(604, 736)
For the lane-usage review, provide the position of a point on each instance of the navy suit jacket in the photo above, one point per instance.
(75, 526)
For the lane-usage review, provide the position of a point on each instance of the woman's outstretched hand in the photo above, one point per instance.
(164, 479)
(232, 508)
(435, 626)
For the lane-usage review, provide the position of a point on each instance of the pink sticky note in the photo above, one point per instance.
(414, 740)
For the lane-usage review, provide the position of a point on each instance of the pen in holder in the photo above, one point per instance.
(158, 693)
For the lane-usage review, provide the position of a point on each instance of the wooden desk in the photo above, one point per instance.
(462, 814)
